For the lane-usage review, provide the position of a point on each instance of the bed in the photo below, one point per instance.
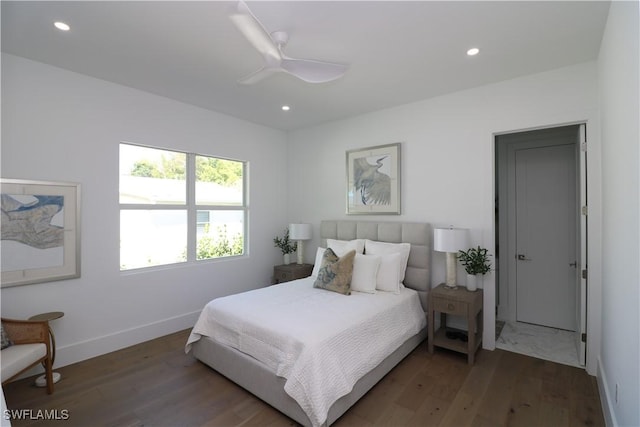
(277, 368)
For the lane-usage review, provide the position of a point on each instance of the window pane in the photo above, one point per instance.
(218, 181)
(152, 237)
(152, 176)
(222, 234)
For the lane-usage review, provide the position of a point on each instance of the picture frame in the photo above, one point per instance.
(40, 238)
(373, 180)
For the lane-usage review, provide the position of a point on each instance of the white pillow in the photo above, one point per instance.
(390, 273)
(365, 273)
(316, 265)
(341, 247)
(383, 248)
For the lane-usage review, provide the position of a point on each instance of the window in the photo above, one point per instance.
(179, 207)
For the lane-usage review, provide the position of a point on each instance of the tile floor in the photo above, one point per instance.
(538, 341)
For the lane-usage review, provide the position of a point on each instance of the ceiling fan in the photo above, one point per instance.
(271, 47)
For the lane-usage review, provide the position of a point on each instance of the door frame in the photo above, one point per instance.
(505, 241)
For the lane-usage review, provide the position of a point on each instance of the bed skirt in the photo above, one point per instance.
(261, 381)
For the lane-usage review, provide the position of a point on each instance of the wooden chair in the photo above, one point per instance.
(31, 345)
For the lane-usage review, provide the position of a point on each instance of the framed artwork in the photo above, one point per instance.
(40, 237)
(373, 180)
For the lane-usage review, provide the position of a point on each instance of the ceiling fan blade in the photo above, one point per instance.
(270, 46)
(253, 30)
(313, 71)
(258, 75)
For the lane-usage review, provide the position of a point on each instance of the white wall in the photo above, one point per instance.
(63, 126)
(448, 161)
(619, 71)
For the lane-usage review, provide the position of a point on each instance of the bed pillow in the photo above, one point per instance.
(336, 272)
(318, 262)
(365, 273)
(389, 278)
(341, 247)
(382, 248)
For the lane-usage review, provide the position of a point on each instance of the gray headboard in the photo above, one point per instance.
(418, 275)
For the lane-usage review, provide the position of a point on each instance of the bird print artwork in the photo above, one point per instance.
(373, 180)
(372, 184)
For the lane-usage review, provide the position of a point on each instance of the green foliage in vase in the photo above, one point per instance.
(284, 243)
(475, 260)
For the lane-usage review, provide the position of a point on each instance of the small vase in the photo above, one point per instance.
(472, 282)
(287, 259)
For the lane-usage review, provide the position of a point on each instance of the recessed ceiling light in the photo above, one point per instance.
(285, 108)
(473, 51)
(61, 26)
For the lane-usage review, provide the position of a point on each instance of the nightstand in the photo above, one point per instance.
(460, 302)
(288, 272)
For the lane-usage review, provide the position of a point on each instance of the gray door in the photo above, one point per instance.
(546, 212)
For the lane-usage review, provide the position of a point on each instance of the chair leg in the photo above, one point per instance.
(49, 375)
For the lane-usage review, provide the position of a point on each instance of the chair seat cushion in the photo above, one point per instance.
(20, 356)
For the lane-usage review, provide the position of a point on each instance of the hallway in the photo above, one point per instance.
(551, 344)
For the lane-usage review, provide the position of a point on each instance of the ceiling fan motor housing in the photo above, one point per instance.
(280, 38)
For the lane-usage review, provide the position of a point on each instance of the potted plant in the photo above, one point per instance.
(475, 261)
(285, 245)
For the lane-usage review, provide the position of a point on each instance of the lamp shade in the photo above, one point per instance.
(450, 239)
(300, 231)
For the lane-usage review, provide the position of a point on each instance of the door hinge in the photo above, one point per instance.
(584, 210)
(583, 147)
(584, 273)
(584, 338)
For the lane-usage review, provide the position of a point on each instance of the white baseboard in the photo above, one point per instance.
(98, 346)
(605, 397)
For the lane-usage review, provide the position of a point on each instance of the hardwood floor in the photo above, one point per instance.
(156, 384)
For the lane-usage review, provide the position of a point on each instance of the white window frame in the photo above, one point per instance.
(192, 208)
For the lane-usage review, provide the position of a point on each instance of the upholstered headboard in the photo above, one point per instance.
(418, 274)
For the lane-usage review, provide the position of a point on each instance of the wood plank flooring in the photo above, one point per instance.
(156, 384)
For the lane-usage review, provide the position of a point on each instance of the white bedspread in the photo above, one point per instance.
(320, 341)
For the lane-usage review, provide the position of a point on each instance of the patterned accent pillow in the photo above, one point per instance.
(335, 272)
(6, 342)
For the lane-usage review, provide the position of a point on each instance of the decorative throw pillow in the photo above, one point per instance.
(365, 272)
(383, 248)
(390, 273)
(6, 342)
(335, 272)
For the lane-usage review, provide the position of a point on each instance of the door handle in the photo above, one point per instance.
(522, 257)
(574, 264)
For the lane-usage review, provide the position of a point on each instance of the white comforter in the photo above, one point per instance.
(320, 341)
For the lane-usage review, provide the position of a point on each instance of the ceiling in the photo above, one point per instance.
(398, 52)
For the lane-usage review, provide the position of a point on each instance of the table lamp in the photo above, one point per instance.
(300, 233)
(450, 240)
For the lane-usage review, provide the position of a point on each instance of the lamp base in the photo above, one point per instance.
(450, 283)
(300, 252)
